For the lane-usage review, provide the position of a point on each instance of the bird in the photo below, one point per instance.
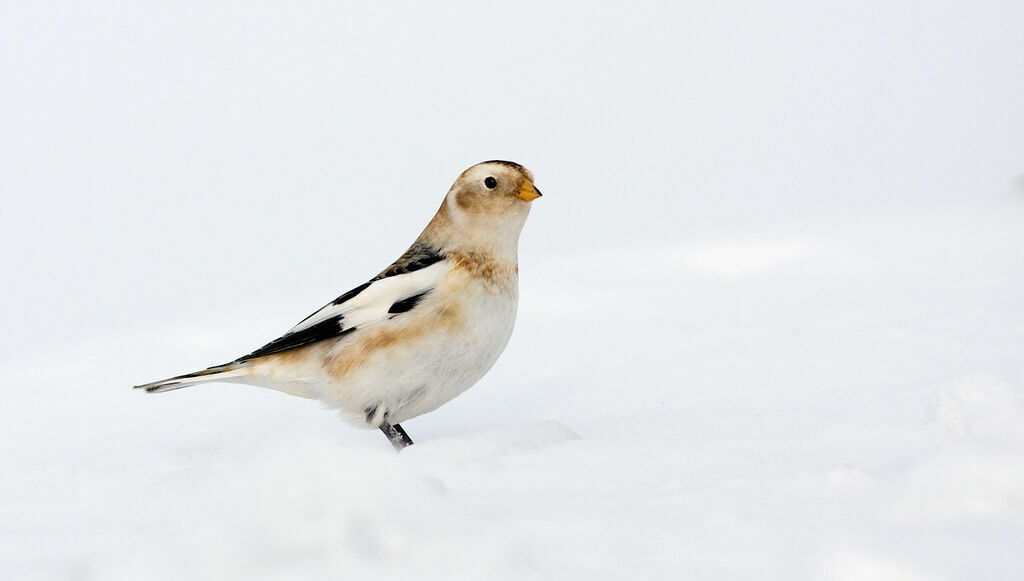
(420, 332)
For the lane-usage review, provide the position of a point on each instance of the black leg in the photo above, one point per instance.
(396, 435)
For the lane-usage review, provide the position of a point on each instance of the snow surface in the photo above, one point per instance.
(771, 322)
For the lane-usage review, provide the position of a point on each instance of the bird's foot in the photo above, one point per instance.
(396, 435)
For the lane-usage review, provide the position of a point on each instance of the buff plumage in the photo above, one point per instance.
(420, 332)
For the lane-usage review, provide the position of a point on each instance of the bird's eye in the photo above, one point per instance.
(490, 182)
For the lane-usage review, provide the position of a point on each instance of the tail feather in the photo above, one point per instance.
(224, 372)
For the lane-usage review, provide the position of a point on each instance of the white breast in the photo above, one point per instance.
(413, 377)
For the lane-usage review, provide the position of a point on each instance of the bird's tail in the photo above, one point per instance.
(225, 372)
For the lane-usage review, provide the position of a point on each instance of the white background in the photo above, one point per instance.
(771, 320)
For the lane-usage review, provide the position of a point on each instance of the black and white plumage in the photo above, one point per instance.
(422, 331)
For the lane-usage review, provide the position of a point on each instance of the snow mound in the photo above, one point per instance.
(851, 565)
(490, 443)
(978, 474)
(981, 404)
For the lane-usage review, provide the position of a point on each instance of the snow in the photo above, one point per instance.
(770, 321)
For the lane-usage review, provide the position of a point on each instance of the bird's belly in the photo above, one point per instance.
(424, 362)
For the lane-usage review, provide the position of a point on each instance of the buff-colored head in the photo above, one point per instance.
(494, 186)
(486, 208)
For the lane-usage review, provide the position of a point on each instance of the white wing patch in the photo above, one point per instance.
(372, 304)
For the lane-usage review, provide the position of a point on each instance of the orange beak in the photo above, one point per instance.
(528, 191)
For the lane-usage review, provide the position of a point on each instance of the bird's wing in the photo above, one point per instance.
(396, 290)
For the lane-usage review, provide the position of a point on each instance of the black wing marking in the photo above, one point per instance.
(345, 297)
(349, 295)
(419, 256)
(326, 329)
(407, 304)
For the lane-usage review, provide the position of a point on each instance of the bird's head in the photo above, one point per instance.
(487, 206)
(494, 188)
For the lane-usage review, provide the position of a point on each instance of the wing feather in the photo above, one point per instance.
(364, 305)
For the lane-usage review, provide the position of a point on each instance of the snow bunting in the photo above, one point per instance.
(419, 333)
